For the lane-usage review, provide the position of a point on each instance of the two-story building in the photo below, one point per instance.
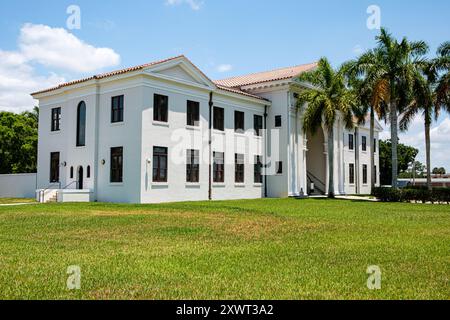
(164, 132)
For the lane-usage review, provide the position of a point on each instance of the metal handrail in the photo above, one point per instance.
(42, 192)
(321, 183)
(68, 185)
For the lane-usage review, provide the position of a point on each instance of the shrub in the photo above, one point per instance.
(421, 194)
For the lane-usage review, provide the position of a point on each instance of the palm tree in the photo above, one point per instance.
(325, 100)
(430, 96)
(370, 96)
(390, 68)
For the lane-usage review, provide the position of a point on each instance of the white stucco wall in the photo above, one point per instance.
(18, 185)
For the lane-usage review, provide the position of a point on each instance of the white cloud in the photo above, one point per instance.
(194, 4)
(56, 47)
(224, 68)
(53, 48)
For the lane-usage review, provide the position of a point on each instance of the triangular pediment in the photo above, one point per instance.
(180, 70)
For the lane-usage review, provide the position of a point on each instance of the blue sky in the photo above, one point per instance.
(223, 38)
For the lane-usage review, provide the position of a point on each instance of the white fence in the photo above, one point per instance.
(18, 185)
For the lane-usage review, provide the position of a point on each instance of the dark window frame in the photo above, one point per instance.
(278, 121)
(258, 124)
(218, 167)
(71, 172)
(117, 109)
(351, 173)
(365, 174)
(351, 141)
(54, 167)
(375, 145)
(160, 164)
(193, 113)
(239, 168)
(116, 165)
(279, 167)
(239, 121)
(160, 108)
(192, 166)
(257, 170)
(88, 172)
(219, 119)
(81, 124)
(364, 143)
(56, 119)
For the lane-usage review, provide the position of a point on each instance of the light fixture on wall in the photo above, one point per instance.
(64, 164)
(103, 162)
(149, 160)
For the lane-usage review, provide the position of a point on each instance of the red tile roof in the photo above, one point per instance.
(108, 74)
(140, 67)
(261, 77)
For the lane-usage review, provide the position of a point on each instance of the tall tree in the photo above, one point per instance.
(325, 101)
(429, 97)
(19, 136)
(406, 156)
(389, 69)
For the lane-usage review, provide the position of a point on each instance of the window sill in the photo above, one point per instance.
(117, 124)
(193, 128)
(258, 185)
(161, 124)
(80, 147)
(239, 133)
(258, 137)
(215, 131)
(219, 185)
(55, 132)
(116, 184)
(239, 185)
(193, 185)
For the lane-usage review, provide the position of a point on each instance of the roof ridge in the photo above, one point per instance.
(267, 71)
(108, 74)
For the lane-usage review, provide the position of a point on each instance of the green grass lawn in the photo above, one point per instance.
(259, 249)
(16, 200)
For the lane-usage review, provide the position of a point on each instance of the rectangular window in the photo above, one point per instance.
(239, 168)
(193, 113)
(375, 174)
(351, 144)
(279, 167)
(192, 165)
(374, 145)
(258, 169)
(277, 121)
(364, 173)
(219, 167)
(218, 119)
(56, 119)
(364, 143)
(54, 167)
(239, 122)
(159, 164)
(116, 175)
(351, 173)
(117, 109)
(160, 108)
(258, 125)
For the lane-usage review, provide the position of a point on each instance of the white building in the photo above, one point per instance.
(165, 132)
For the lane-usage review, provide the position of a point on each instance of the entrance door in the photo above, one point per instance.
(80, 178)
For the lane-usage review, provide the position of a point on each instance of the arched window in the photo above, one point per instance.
(71, 172)
(81, 124)
(88, 172)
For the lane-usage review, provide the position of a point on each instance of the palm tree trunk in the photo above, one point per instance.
(330, 162)
(428, 151)
(372, 149)
(394, 140)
